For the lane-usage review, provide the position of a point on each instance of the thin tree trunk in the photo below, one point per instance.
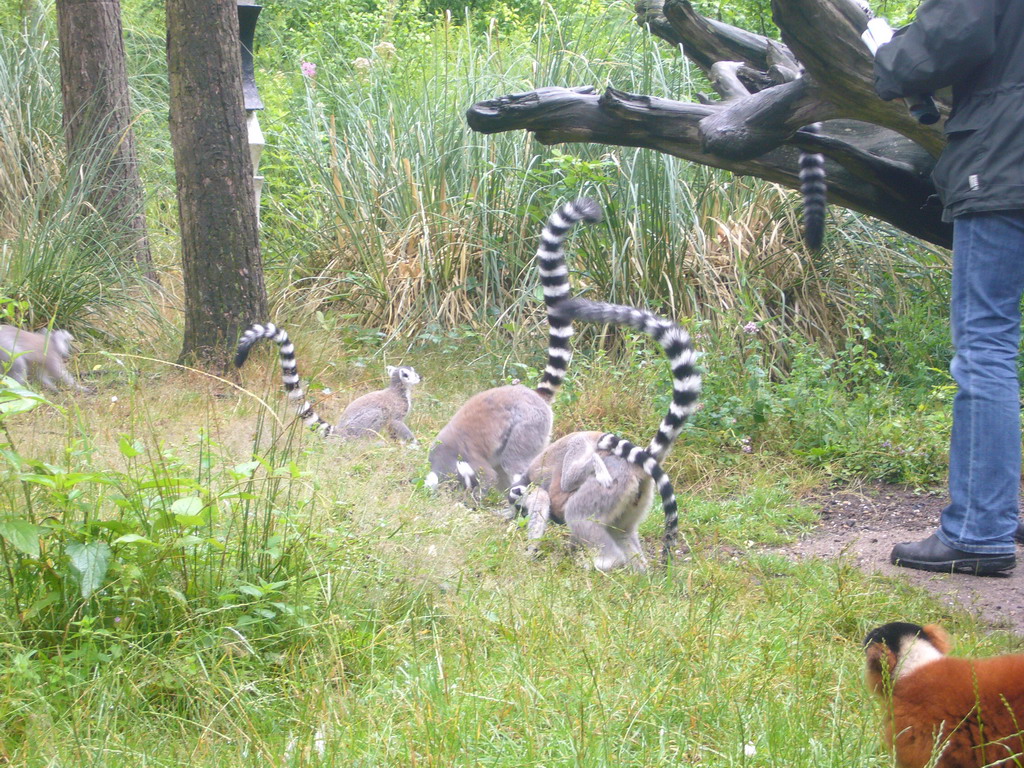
(97, 115)
(223, 272)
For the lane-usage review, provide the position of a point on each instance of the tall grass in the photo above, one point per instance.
(59, 254)
(269, 598)
(419, 221)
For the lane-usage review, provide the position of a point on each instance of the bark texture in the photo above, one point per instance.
(97, 115)
(878, 158)
(221, 264)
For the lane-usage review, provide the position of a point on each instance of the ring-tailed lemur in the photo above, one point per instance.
(367, 415)
(495, 435)
(598, 484)
(43, 355)
(813, 183)
(814, 190)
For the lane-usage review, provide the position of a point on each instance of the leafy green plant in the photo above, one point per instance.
(140, 547)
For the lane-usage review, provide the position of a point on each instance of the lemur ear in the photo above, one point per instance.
(881, 664)
(938, 637)
(391, 370)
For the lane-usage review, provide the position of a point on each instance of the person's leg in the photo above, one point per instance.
(985, 453)
(985, 449)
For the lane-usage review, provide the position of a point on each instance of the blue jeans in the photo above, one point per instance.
(985, 449)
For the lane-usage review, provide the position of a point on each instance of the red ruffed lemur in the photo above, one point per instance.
(963, 713)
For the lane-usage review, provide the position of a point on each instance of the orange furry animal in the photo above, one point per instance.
(968, 713)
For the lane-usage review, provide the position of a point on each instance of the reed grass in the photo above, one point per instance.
(419, 222)
(60, 255)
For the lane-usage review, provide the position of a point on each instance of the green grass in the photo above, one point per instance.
(216, 587)
(336, 606)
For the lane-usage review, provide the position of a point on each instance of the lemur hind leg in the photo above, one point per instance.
(526, 440)
(586, 513)
(538, 512)
(630, 543)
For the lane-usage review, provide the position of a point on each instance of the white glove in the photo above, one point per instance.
(877, 34)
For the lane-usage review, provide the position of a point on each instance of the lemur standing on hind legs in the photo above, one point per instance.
(369, 415)
(598, 484)
(495, 435)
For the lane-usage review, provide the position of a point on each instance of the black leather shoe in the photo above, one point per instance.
(932, 555)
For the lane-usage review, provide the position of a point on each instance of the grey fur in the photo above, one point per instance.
(41, 354)
(601, 497)
(495, 435)
(598, 484)
(382, 411)
(369, 415)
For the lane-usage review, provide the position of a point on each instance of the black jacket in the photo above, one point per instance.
(976, 46)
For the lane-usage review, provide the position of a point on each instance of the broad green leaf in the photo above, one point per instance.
(245, 470)
(129, 449)
(89, 563)
(22, 535)
(187, 505)
(190, 520)
(15, 399)
(190, 510)
(133, 538)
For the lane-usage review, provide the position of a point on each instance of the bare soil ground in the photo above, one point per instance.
(863, 524)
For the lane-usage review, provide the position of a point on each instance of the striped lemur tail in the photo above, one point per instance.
(814, 190)
(646, 461)
(685, 390)
(554, 277)
(678, 347)
(813, 186)
(289, 372)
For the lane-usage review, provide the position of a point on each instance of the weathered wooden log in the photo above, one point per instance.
(824, 35)
(751, 125)
(703, 41)
(878, 158)
(872, 170)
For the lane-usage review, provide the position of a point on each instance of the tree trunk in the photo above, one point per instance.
(97, 117)
(878, 158)
(223, 272)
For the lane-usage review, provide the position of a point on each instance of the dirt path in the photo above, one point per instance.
(864, 525)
